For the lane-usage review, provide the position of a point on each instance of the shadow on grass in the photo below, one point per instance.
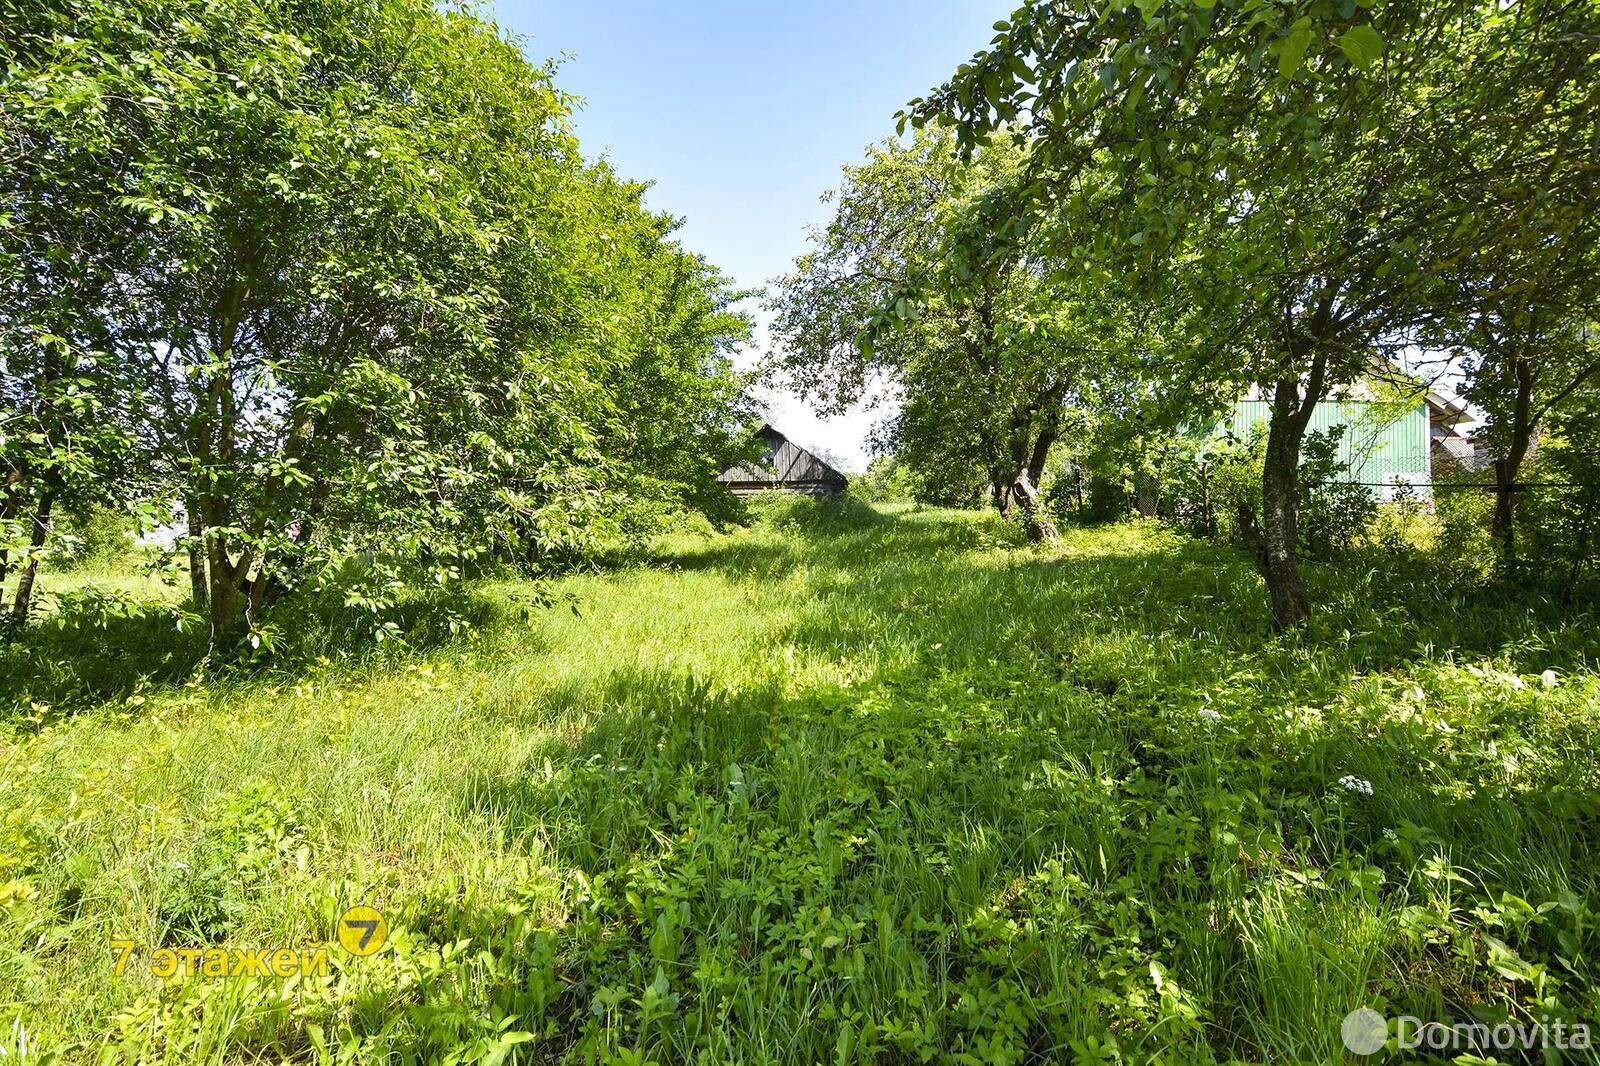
(1023, 802)
(76, 660)
(636, 742)
(735, 558)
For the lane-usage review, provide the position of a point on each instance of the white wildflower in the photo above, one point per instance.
(1209, 715)
(1548, 679)
(1352, 783)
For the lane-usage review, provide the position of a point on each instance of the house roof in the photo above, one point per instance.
(787, 463)
(1450, 411)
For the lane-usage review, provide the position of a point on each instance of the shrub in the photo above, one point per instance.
(1558, 515)
(1204, 484)
(93, 537)
(1335, 513)
(887, 480)
(1203, 480)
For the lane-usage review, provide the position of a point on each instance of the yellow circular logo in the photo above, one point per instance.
(362, 930)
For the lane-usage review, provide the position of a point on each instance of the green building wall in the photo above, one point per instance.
(1381, 445)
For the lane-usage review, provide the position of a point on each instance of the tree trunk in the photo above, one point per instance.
(197, 555)
(1273, 543)
(224, 575)
(1002, 494)
(225, 594)
(1509, 467)
(10, 501)
(1035, 517)
(1030, 463)
(22, 600)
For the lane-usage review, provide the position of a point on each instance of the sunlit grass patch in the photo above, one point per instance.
(839, 786)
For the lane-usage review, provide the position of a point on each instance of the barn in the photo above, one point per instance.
(784, 466)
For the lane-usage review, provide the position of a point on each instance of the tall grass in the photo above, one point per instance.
(850, 785)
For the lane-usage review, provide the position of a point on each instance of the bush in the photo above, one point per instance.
(93, 536)
(1334, 513)
(887, 480)
(1206, 482)
(1087, 498)
(1404, 525)
(1558, 516)
(1202, 482)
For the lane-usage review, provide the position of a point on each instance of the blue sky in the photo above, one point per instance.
(743, 113)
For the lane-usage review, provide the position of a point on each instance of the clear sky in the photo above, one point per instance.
(742, 114)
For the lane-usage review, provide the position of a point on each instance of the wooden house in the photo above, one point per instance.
(783, 466)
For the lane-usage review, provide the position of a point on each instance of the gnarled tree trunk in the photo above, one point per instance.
(1035, 516)
(1030, 462)
(1273, 540)
(1000, 489)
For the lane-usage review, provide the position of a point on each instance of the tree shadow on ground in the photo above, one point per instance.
(72, 662)
(735, 558)
(1374, 613)
(1023, 801)
(984, 830)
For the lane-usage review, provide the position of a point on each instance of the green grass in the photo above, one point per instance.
(846, 786)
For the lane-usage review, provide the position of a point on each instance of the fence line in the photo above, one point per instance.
(1514, 486)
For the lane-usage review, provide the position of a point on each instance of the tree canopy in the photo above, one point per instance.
(336, 280)
(983, 333)
(1305, 182)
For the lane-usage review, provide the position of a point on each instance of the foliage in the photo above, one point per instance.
(1533, 372)
(887, 479)
(355, 302)
(1335, 513)
(95, 536)
(848, 784)
(1206, 478)
(1560, 508)
(1283, 176)
(917, 281)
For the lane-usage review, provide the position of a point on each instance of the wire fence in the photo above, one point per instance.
(1513, 486)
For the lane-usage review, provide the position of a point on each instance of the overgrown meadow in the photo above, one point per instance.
(850, 785)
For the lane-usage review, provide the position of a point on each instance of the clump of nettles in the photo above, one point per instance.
(246, 844)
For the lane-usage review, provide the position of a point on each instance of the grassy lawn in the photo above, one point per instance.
(845, 786)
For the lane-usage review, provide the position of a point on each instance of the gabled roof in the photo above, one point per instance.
(786, 464)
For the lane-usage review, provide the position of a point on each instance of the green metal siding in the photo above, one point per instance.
(1377, 445)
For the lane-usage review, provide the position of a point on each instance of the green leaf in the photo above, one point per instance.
(1361, 45)
(1293, 52)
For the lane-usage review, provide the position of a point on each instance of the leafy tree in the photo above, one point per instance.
(1302, 179)
(64, 438)
(1564, 515)
(886, 479)
(913, 281)
(372, 319)
(1533, 353)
